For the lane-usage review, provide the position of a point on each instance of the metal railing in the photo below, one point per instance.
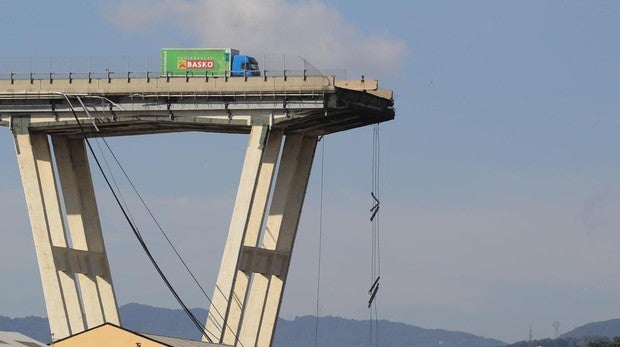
(126, 67)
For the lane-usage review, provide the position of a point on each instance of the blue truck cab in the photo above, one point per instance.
(243, 65)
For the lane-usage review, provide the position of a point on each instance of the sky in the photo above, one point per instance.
(499, 177)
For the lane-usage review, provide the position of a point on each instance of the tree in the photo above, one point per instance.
(614, 343)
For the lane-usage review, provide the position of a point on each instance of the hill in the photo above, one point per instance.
(300, 332)
(608, 329)
(561, 342)
(34, 327)
(336, 331)
(583, 336)
(161, 321)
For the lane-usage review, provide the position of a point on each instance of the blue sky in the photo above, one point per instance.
(500, 174)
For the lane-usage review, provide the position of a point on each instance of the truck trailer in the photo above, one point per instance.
(207, 62)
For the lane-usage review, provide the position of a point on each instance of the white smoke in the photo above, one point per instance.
(309, 29)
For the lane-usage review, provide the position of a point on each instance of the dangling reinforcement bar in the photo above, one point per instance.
(375, 208)
(373, 291)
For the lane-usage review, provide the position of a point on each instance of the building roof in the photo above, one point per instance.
(163, 340)
(13, 339)
(177, 342)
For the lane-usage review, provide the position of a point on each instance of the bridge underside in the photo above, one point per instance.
(284, 119)
(313, 106)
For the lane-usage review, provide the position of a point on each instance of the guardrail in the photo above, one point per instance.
(125, 67)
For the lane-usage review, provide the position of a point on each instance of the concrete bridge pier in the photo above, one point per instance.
(249, 288)
(67, 265)
(284, 116)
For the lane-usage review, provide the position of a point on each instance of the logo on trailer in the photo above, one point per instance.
(201, 64)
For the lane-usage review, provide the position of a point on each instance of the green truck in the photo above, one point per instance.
(207, 62)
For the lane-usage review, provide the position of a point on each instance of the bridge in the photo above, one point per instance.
(284, 117)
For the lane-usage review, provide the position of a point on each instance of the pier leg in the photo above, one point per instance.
(252, 195)
(59, 286)
(253, 230)
(247, 297)
(96, 287)
(271, 268)
(65, 261)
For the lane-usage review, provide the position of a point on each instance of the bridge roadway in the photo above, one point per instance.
(284, 116)
(315, 105)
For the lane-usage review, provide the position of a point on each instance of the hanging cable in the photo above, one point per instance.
(135, 231)
(120, 193)
(318, 278)
(160, 228)
(375, 262)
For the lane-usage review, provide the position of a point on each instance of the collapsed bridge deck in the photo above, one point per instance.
(315, 105)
